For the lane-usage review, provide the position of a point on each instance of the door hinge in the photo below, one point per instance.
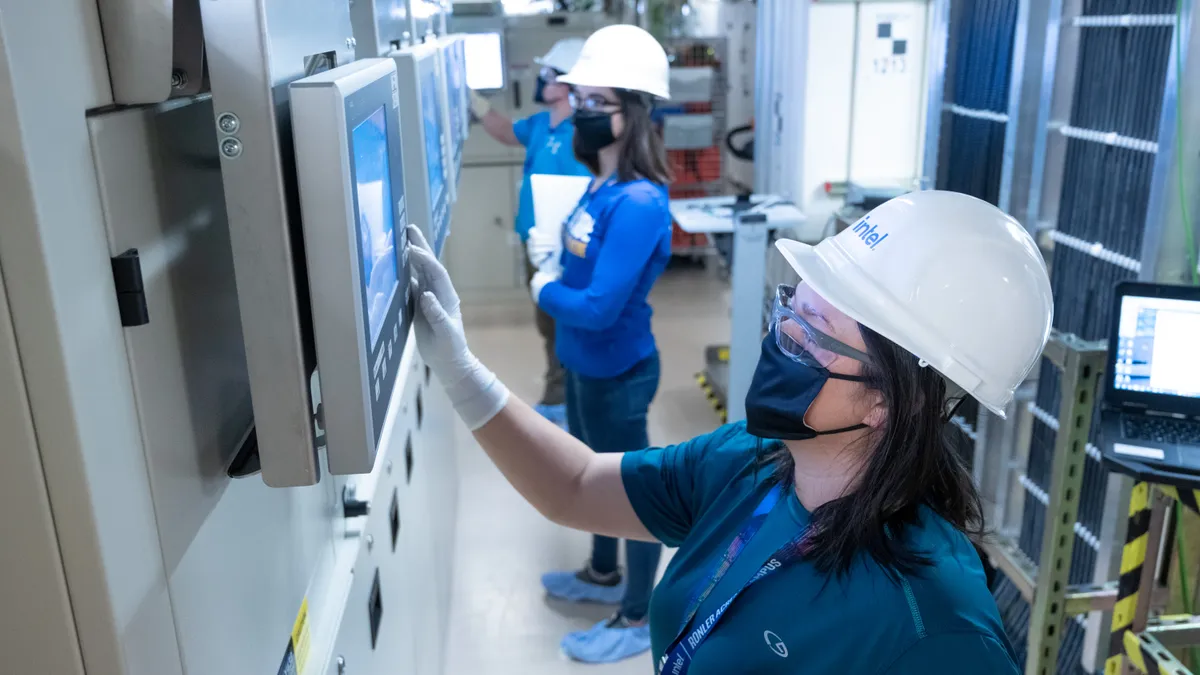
(131, 294)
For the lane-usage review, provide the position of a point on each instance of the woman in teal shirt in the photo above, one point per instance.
(831, 531)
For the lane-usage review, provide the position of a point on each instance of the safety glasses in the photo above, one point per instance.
(802, 342)
(593, 103)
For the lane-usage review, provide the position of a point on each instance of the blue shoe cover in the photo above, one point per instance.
(554, 413)
(568, 586)
(607, 642)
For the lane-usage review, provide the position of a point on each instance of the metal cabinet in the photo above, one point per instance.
(484, 254)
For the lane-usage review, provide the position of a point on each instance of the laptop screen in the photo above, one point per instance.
(1158, 346)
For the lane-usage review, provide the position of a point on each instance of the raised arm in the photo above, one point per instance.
(498, 126)
(561, 477)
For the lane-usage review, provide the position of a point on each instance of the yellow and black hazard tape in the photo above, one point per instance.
(1150, 657)
(1189, 498)
(1133, 556)
(711, 395)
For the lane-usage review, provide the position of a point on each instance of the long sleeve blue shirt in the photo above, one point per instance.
(548, 149)
(615, 245)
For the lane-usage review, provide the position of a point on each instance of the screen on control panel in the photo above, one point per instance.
(1158, 346)
(377, 236)
(454, 91)
(431, 112)
(485, 61)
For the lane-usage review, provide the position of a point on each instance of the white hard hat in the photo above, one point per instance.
(622, 57)
(563, 55)
(950, 278)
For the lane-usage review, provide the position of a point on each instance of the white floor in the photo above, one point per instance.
(501, 621)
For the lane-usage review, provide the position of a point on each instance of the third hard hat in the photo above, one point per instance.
(622, 57)
(563, 55)
(950, 278)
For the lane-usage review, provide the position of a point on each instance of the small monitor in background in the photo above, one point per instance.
(453, 102)
(350, 168)
(434, 121)
(485, 61)
(1150, 414)
(460, 61)
(427, 159)
(1158, 346)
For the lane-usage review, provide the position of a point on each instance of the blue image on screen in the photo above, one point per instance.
(432, 113)
(454, 90)
(377, 238)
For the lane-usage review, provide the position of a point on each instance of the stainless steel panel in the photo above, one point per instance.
(155, 48)
(137, 40)
(380, 26)
(160, 183)
(71, 344)
(239, 556)
(483, 254)
(255, 48)
(41, 638)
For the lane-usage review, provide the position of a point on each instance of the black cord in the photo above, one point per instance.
(746, 151)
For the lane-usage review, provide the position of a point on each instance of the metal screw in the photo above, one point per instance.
(179, 79)
(370, 543)
(388, 467)
(341, 665)
(231, 148)
(229, 123)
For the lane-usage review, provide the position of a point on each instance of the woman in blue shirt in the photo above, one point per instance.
(548, 138)
(831, 532)
(616, 243)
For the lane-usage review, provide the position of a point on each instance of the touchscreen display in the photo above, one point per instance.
(431, 111)
(454, 91)
(376, 230)
(485, 61)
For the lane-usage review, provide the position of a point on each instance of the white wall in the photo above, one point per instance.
(863, 111)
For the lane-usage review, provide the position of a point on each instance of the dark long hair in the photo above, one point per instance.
(912, 462)
(643, 154)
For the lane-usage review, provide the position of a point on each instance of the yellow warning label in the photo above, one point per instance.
(300, 637)
(723, 354)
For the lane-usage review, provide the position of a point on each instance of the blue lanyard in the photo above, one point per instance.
(678, 658)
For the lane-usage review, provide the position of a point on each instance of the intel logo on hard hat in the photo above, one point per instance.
(869, 233)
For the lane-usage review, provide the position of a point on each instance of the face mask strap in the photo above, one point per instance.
(843, 430)
(848, 378)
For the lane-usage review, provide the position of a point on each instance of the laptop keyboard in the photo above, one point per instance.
(1161, 430)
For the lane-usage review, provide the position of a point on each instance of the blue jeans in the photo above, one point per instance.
(609, 415)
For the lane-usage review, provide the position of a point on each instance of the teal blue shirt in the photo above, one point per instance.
(547, 150)
(697, 496)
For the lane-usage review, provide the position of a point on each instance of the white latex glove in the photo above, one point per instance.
(538, 282)
(545, 251)
(475, 392)
(480, 106)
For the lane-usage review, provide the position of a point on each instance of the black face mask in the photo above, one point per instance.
(593, 131)
(781, 393)
(539, 91)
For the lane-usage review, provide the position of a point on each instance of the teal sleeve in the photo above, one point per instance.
(670, 487)
(523, 129)
(952, 652)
